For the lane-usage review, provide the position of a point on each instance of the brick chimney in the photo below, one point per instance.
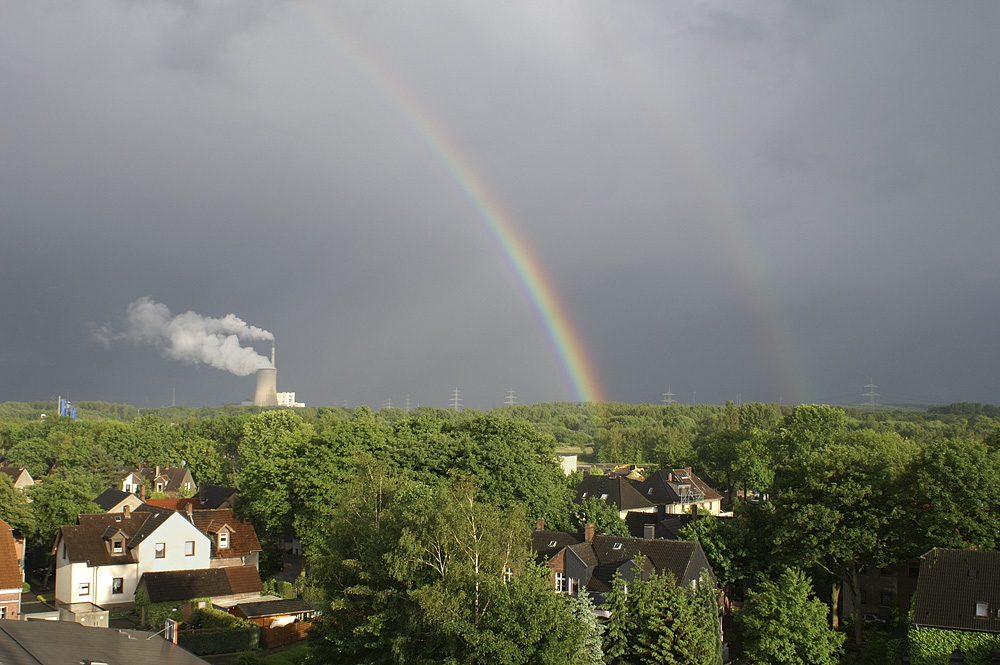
(588, 532)
(127, 511)
(648, 531)
(142, 492)
(188, 508)
(540, 524)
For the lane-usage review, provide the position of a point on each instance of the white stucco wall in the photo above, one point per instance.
(174, 532)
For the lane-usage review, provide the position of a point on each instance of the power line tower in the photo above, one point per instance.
(668, 397)
(406, 403)
(871, 394)
(387, 404)
(510, 400)
(456, 399)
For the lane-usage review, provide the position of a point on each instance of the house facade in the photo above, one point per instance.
(680, 491)
(101, 558)
(18, 475)
(589, 562)
(169, 480)
(11, 573)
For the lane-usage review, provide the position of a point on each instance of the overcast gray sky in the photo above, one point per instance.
(776, 201)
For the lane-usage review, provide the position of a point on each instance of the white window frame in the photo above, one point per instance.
(223, 539)
(117, 545)
(160, 551)
(120, 582)
(561, 582)
(189, 548)
(3, 611)
(982, 609)
(84, 589)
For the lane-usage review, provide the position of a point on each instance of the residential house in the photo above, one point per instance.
(18, 475)
(882, 590)
(958, 590)
(114, 500)
(102, 557)
(216, 496)
(679, 491)
(11, 572)
(222, 586)
(589, 561)
(615, 491)
(62, 642)
(166, 479)
(234, 541)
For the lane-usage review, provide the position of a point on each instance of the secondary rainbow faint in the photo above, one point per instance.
(566, 340)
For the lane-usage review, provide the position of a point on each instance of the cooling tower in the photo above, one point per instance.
(266, 393)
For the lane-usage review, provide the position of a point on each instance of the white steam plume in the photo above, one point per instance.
(192, 338)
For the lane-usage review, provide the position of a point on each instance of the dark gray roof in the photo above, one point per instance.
(668, 527)
(547, 544)
(669, 486)
(617, 491)
(271, 608)
(214, 496)
(70, 643)
(110, 498)
(951, 584)
(171, 585)
(685, 560)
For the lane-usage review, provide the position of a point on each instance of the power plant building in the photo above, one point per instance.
(266, 392)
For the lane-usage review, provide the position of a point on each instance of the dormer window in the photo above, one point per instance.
(118, 546)
(223, 540)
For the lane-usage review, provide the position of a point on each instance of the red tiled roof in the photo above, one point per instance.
(242, 537)
(10, 572)
(175, 504)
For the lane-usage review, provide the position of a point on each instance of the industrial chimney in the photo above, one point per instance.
(266, 393)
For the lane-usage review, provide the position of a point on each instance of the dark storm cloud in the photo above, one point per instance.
(706, 184)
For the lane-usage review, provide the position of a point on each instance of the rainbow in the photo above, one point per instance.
(563, 335)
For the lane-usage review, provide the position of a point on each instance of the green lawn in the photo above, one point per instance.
(293, 656)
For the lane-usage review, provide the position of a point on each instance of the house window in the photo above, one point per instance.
(604, 497)
(583, 496)
(84, 588)
(508, 575)
(982, 609)
(161, 550)
(118, 585)
(886, 598)
(189, 548)
(223, 540)
(552, 543)
(159, 487)
(560, 582)
(616, 546)
(117, 546)
(3, 611)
